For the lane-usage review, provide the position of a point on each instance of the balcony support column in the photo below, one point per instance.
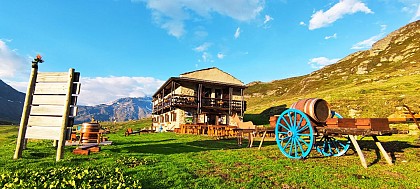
(172, 94)
(242, 102)
(199, 98)
(163, 100)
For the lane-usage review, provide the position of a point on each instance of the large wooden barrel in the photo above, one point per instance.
(316, 108)
(89, 132)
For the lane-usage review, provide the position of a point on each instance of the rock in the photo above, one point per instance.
(361, 70)
(354, 113)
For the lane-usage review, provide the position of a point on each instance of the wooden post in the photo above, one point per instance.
(62, 140)
(358, 150)
(25, 113)
(230, 106)
(381, 148)
(242, 102)
(262, 140)
(200, 90)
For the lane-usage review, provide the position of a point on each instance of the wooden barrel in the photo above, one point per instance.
(89, 132)
(316, 108)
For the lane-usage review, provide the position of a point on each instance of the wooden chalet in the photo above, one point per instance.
(202, 97)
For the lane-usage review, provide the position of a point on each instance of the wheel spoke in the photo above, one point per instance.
(286, 123)
(287, 143)
(303, 141)
(290, 120)
(284, 126)
(291, 147)
(303, 128)
(300, 145)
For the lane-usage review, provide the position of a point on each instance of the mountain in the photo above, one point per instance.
(120, 110)
(11, 104)
(370, 83)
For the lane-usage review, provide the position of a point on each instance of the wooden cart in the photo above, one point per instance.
(297, 133)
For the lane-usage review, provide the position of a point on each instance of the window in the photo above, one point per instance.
(166, 118)
(173, 116)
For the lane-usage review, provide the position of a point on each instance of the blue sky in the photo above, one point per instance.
(129, 48)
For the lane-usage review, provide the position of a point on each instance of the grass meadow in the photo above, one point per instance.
(170, 160)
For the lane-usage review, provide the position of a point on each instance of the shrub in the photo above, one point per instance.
(68, 177)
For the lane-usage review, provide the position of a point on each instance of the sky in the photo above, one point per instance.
(126, 48)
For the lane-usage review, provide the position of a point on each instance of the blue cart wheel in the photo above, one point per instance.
(294, 134)
(330, 146)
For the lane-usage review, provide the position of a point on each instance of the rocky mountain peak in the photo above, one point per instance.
(398, 36)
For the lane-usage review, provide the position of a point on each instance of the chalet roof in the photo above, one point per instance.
(193, 80)
(212, 74)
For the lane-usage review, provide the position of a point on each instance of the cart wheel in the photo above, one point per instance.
(294, 134)
(330, 146)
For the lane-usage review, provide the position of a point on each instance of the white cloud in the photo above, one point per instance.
(321, 62)
(365, 44)
(268, 18)
(12, 65)
(383, 28)
(101, 90)
(334, 36)
(416, 15)
(220, 55)
(206, 57)
(322, 19)
(302, 23)
(237, 33)
(171, 15)
(202, 47)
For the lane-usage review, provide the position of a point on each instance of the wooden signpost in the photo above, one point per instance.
(50, 107)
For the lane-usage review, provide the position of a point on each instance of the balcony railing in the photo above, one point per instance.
(193, 102)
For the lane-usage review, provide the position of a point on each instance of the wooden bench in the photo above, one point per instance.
(130, 131)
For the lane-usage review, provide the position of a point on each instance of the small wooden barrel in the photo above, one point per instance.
(316, 108)
(90, 132)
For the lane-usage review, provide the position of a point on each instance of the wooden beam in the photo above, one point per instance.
(40, 132)
(49, 110)
(64, 124)
(25, 113)
(49, 99)
(381, 148)
(51, 88)
(58, 77)
(358, 150)
(76, 88)
(73, 111)
(262, 140)
(45, 121)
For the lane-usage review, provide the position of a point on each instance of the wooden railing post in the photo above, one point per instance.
(26, 109)
(62, 140)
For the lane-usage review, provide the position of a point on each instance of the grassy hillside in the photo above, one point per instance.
(368, 83)
(169, 160)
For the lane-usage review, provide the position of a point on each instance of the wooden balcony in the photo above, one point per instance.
(185, 101)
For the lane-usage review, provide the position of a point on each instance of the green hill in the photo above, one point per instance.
(369, 83)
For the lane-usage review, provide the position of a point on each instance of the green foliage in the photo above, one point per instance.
(68, 177)
(134, 162)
